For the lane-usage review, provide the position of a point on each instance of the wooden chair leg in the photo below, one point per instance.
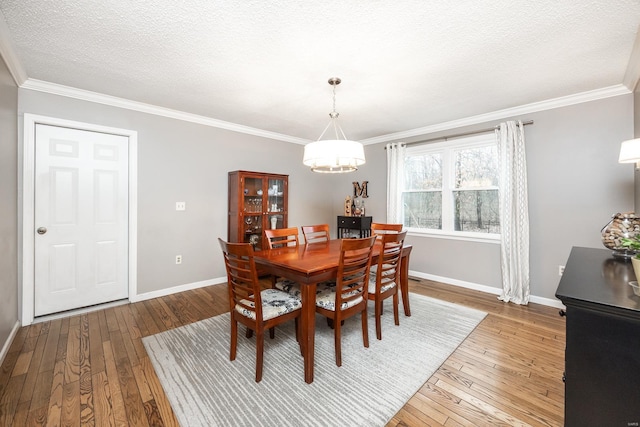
(337, 326)
(299, 335)
(259, 353)
(234, 339)
(396, 317)
(249, 333)
(365, 328)
(330, 323)
(272, 333)
(378, 312)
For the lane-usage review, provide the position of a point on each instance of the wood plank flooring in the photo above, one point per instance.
(92, 369)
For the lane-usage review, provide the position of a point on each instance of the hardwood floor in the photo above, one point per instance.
(92, 369)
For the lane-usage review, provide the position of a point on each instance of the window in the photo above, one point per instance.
(452, 187)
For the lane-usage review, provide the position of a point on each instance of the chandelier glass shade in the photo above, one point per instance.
(333, 155)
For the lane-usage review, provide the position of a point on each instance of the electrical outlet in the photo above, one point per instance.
(181, 206)
(560, 270)
(178, 259)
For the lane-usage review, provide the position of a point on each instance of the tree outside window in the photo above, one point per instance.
(453, 186)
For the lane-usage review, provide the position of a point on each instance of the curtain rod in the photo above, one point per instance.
(457, 135)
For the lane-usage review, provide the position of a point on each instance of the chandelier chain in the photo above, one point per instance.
(334, 99)
(334, 81)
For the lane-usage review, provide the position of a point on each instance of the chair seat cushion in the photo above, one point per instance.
(274, 303)
(384, 288)
(293, 288)
(388, 269)
(327, 300)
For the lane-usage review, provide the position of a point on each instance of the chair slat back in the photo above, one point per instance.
(242, 277)
(388, 269)
(281, 237)
(316, 233)
(379, 228)
(353, 269)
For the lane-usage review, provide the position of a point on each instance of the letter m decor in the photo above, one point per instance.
(360, 190)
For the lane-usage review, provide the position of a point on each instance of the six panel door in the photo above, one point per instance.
(81, 218)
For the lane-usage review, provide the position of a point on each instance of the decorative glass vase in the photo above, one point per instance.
(622, 225)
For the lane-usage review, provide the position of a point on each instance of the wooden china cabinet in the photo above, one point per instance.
(257, 201)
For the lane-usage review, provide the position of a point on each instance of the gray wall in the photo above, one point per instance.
(575, 185)
(181, 161)
(575, 181)
(8, 203)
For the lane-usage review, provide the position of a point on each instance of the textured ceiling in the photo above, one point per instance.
(265, 64)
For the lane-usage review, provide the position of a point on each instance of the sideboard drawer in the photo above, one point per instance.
(352, 222)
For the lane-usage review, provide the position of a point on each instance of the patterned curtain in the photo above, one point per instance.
(514, 213)
(395, 181)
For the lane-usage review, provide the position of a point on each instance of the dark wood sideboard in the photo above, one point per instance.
(350, 225)
(602, 355)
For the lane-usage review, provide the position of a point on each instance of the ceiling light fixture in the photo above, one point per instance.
(333, 155)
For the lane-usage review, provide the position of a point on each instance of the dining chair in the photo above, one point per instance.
(281, 237)
(258, 309)
(385, 280)
(316, 233)
(278, 238)
(349, 296)
(379, 229)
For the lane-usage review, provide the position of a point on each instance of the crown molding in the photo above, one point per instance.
(8, 53)
(632, 75)
(563, 101)
(67, 91)
(85, 95)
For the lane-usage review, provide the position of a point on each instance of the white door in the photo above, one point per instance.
(80, 216)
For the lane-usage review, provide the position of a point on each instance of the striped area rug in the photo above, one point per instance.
(206, 389)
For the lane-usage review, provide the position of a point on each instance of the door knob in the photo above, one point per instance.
(42, 230)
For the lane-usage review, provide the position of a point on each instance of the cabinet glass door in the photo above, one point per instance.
(276, 203)
(275, 194)
(253, 202)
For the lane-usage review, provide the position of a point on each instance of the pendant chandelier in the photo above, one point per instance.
(333, 155)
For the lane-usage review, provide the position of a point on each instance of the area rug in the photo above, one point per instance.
(206, 389)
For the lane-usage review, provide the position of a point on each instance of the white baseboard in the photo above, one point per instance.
(7, 343)
(482, 288)
(195, 285)
(176, 289)
(135, 298)
(461, 283)
(216, 281)
(547, 301)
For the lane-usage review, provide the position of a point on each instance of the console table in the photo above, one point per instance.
(348, 223)
(602, 354)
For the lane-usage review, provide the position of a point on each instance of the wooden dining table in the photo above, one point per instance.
(313, 263)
